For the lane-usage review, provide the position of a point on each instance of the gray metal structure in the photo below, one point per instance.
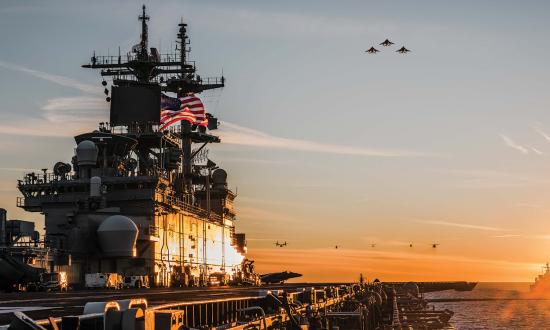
(23, 256)
(135, 200)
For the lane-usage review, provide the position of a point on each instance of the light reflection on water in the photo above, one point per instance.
(496, 306)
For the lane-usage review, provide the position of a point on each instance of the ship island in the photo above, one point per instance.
(140, 226)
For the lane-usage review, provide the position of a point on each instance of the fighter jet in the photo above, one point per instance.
(386, 43)
(278, 277)
(434, 245)
(372, 50)
(280, 244)
(402, 50)
(337, 247)
(411, 245)
(373, 245)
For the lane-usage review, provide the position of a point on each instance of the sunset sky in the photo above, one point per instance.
(325, 144)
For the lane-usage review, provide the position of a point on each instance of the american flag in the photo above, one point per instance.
(169, 117)
(189, 108)
(172, 112)
(197, 108)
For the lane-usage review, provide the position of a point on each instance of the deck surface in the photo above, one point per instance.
(40, 305)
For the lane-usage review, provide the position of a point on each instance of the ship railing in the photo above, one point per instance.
(166, 59)
(167, 77)
(147, 128)
(212, 80)
(42, 178)
(174, 131)
(45, 177)
(171, 200)
(135, 128)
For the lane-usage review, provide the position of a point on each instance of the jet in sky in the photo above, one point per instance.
(402, 50)
(434, 245)
(372, 50)
(280, 244)
(386, 43)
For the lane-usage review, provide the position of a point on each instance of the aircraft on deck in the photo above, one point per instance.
(278, 277)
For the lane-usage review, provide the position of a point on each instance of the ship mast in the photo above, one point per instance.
(144, 35)
(173, 72)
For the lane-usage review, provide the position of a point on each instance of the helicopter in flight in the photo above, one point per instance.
(403, 50)
(372, 50)
(386, 43)
(280, 244)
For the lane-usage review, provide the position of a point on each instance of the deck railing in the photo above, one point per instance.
(172, 200)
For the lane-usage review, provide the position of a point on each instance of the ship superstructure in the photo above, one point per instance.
(137, 200)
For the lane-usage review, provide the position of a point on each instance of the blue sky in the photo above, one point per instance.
(449, 143)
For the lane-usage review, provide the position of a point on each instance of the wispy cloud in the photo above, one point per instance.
(510, 143)
(460, 225)
(506, 236)
(59, 80)
(74, 112)
(535, 150)
(76, 109)
(239, 135)
(75, 103)
(41, 128)
(542, 133)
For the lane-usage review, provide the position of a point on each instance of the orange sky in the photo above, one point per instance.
(326, 265)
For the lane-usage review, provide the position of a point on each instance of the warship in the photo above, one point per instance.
(140, 197)
(542, 281)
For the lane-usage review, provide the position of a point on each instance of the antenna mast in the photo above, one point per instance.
(144, 42)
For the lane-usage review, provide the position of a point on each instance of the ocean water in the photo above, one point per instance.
(495, 306)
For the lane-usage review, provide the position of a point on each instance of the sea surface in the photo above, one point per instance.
(495, 306)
